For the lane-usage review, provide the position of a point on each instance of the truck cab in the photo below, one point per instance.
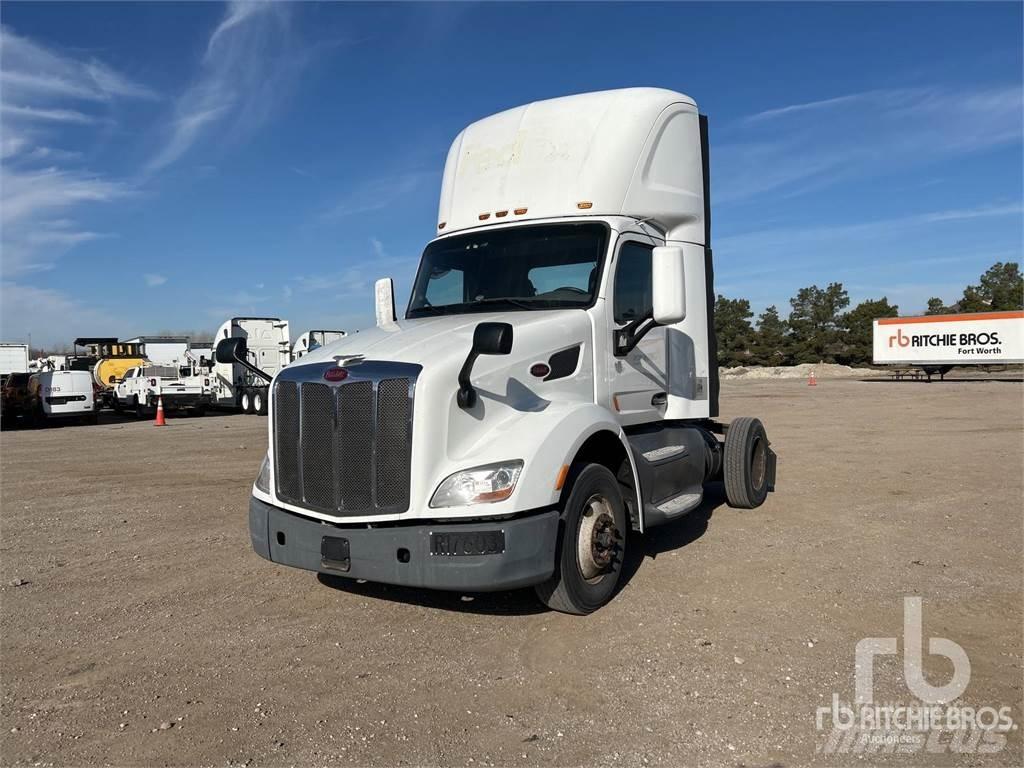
(550, 389)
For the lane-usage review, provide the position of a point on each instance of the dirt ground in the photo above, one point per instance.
(138, 628)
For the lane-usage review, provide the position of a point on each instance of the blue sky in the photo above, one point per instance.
(168, 165)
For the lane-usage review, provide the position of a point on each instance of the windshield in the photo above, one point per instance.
(547, 266)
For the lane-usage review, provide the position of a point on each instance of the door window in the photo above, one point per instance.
(632, 282)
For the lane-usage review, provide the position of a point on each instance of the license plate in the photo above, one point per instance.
(461, 543)
(334, 553)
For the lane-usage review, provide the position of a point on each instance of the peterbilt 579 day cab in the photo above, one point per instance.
(552, 387)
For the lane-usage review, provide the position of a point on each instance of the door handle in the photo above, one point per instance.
(659, 399)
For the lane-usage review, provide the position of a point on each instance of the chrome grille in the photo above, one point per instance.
(345, 448)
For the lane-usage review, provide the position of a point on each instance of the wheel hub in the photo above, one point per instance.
(598, 538)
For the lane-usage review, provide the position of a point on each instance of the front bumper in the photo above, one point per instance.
(401, 554)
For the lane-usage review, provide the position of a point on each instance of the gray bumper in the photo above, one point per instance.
(528, 557)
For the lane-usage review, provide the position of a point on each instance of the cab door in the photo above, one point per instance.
(637, 382)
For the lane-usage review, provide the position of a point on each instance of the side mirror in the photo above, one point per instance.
(492, 339)
(488, 339)
(384, 303)
(231, 349)
(669, 285)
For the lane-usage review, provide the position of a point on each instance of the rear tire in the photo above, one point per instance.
(746, 465)
(591, 545)
(247, 402)
(140, 411)
(259, 400)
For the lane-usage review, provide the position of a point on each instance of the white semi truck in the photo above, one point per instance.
(311, 340)
(552, 386)
(937, 343)
(263, 348)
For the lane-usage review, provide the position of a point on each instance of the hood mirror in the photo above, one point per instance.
(384, 303)
(488, 339)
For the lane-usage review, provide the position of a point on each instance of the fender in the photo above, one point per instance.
(547, 440)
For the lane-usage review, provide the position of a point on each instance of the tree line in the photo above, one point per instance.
(820, 328)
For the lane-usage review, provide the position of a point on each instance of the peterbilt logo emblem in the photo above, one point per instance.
(336, 374)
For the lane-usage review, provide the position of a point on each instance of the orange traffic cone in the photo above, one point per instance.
(160, 421)
(812, 382)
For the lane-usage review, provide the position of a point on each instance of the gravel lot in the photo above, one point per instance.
(138, 628)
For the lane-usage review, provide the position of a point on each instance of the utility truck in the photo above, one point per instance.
(240, 382)
(937, 343)
(551, 388)
(143, 387)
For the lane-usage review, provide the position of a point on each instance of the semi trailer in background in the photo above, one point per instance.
(938, 343)
(13, 359)
(254, 350)
(552, 386)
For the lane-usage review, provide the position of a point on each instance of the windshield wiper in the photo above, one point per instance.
(504, 300)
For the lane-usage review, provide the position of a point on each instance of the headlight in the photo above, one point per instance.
(263, 478)
(480, 485)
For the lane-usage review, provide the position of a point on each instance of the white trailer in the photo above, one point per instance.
(162, 350)
(937, 343)
(551, 389)
(13, 359)
(256, 349)
(311, 340)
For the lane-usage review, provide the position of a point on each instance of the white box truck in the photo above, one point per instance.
(552, 386)
(13, 359)
(256, 349)
(937, 343)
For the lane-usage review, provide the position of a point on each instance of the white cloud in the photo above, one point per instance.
(248, 59)
(31, 72)
(44, 90)
(28, 194)
(49, 115)
(153, 280)
(800, 147)
(376, 194)
(51, 317)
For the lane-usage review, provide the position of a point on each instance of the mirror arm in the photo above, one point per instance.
(627, 338)
(466, 396)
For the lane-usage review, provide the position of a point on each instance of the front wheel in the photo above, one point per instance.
(747, 464)
(592, 544)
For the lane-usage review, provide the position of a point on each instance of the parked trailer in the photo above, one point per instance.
(311, 340)
(264, 348)
(13, 359)
(938, 343)
(552, 385)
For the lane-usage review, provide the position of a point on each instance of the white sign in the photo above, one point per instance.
(985, 337)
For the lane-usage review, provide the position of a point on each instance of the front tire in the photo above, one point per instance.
(746, 465)
(591, 547)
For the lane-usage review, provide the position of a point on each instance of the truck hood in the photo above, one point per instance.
(433, 340)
